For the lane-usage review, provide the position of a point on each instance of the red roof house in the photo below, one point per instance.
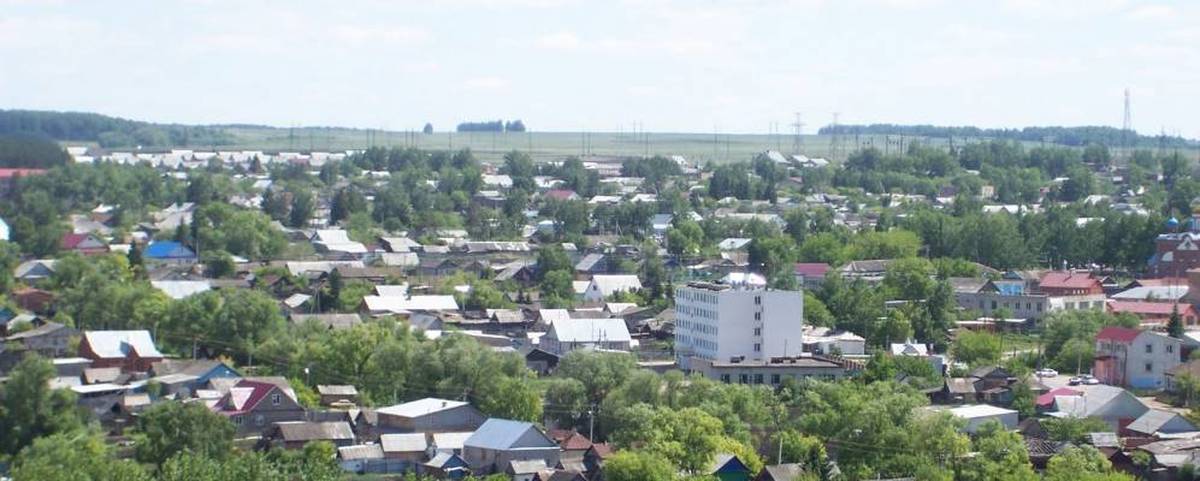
(1059, 283)
(132, 351)
(10, 173)
(561, 194)
(1157, 313)
(1047, 400)
(811, 269)
(254, 405)
(85, 244)
(31, 299)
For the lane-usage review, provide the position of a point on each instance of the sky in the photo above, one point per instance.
(608, 65)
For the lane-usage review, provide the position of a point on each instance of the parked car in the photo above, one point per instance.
(1046, 372)
(1090, 380)
(1075, 381)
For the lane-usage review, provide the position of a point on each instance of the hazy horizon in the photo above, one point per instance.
(568, 66)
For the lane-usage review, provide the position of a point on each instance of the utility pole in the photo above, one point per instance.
(591, 422)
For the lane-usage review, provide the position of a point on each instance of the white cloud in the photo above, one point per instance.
(558, 41)
(485, 83)
(1152, 12)
(365, 35)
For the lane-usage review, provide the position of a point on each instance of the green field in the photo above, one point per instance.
(557, 145)
(551, 146)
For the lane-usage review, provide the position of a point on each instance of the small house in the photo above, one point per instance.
(132, 351)
(337, 394)
(498, 442)
(430, 415)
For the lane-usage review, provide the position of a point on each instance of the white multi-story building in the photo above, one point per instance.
(733, 323)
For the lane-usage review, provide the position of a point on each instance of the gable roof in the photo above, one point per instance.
(403, 443)
(119, 344)
(1123, 335)
(784, 472)
(504, 434)
(420, 407)
(811, 269)
(168, 250)
(610, 284)
(1068, 280)
(590, 330)
(450, 441)
(398, 304)
(315, 431)
(1155, 420)
(1148, 308)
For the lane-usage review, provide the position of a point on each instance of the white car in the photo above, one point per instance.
(1047, 372)
(1090, 381)
(1075, 381)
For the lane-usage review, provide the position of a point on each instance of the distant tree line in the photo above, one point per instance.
(109, 131)
(492, 126)
(1073, 136)
(30, 150)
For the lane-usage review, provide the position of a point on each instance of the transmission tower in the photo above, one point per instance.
(798, 140)
(1127, 125)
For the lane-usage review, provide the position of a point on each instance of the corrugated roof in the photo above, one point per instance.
(590, 330)
(502, 434)
(361, 451)
(420, 407)
(403, 443)
(450, 441)
(1118, 334)
(414, 303)
(310, 431)
(119, 344)
(1068, 280)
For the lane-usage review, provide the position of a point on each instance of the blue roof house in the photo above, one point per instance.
(169, 251)
(727, 467)
(499, 442)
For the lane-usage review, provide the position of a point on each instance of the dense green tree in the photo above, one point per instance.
(556, 289)
(1074, 430)
(977, 348)
(30, 409)
(552, 257)
(79, 456)
(599, 372)
(1175, 323)
(637, 466)
(169, 428)
(567, 402)
(302, 208)
(1002, 456)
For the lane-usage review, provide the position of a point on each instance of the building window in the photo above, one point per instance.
(774, 379)
(1149, 348)
(1149, 367)
(993, 305)
(758, 316)
(758, 331)
(275, 399)
(757, 347)
(1039, 306)
(237, 420)
(758, 300)
(758, 378)
(744, 379)
(725, 378)
(1170, 348)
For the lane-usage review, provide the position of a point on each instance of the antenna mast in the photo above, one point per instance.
(1127, 124)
